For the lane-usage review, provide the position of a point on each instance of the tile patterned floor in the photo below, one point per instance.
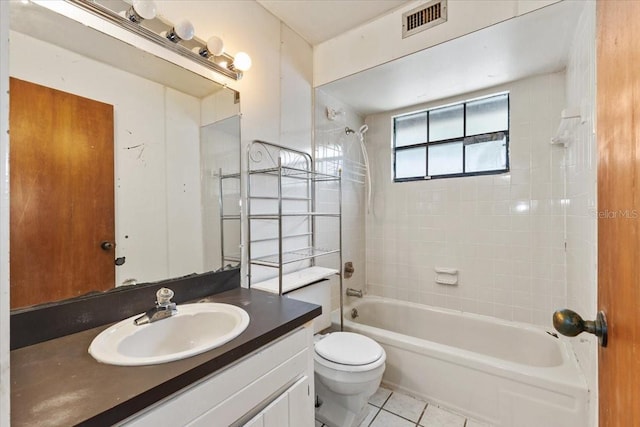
(389, 408)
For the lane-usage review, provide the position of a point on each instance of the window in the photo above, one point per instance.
(470, 138)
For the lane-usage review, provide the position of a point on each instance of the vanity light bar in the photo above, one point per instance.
(183, 49)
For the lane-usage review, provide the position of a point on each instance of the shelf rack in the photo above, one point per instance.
(226, 257)
(284, 164)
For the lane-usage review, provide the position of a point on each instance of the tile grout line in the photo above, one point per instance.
(397, 415)
(386, 400)
(422, 414)
(380, 408)
(416, 423)
(374, 417)
(400, 416)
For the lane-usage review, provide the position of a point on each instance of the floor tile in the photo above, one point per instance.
(387, 419)
(405, 406)
(379, 397)
(373, 411)
(476, 423)
(438, 417)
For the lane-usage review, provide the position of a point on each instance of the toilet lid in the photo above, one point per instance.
(347, 348)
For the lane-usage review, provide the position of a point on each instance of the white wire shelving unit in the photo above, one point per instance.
(283, 185)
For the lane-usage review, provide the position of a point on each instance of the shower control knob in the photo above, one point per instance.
(570, 323)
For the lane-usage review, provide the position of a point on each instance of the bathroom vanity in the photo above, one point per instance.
(262, 378)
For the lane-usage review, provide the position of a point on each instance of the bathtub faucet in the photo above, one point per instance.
(354, 293)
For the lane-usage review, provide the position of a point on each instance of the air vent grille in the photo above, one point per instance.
(423, 17)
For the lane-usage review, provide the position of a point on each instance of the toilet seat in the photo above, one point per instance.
(347, 351)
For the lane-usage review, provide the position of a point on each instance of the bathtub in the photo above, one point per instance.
(505, 373)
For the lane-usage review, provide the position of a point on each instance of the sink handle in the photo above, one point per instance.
(163, 296)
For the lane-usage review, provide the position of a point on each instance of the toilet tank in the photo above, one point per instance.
(317, 293)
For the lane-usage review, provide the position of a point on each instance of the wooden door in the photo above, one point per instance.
(618, 134)
(62, 194)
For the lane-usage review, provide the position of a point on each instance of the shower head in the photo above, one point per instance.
(360, 132)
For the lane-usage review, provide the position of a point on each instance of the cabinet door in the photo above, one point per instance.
(293, 408)
(277, 413)
(257, 421)
(300, 404)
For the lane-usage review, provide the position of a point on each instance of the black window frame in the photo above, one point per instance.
(464, 139)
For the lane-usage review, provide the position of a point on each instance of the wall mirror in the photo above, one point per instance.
(169, 134)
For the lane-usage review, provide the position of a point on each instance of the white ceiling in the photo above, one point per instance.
(535, 43)
(320, 20)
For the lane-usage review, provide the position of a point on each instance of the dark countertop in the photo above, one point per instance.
(57, 382)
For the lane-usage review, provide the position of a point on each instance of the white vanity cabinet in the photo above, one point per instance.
(272, 386)
(289, 409)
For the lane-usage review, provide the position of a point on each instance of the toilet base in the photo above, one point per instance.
(342, 412)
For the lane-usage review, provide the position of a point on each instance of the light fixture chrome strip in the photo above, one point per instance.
(122, 22)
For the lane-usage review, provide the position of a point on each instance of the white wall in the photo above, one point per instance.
(157, 188)
(334, 149)
(244, 26)
(380, 40)
(4, 216)
(581, 184)
(276, 93)
(296, 74)
(504, 233)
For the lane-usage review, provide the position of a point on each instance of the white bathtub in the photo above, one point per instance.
(505, 373)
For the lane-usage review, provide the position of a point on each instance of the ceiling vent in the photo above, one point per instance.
(423, 17)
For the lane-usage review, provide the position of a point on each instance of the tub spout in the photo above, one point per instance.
(354, 293)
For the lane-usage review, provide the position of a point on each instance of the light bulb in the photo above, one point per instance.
(184, 30)
(146, 9)
(242, 61)
(215, 46)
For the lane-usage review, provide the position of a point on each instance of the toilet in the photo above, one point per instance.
(348, 367)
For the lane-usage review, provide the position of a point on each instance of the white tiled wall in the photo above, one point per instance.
(581, 159)
(504, 233)
(335, 149)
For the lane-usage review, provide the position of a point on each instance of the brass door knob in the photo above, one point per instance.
(569, 323)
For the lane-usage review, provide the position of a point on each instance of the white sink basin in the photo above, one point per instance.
(194, 329)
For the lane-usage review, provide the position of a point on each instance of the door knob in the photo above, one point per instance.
(569, 323)
(107, 246)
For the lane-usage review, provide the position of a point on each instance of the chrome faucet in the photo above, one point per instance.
(164, 308)
(354, 293)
